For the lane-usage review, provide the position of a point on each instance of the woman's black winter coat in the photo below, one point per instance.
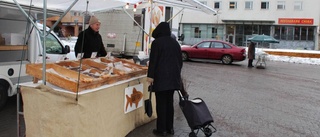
(165, 62)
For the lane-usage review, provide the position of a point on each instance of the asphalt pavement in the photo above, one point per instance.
(9, 120)
(282, 100)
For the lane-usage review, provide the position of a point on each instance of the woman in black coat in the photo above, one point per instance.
(164, 72)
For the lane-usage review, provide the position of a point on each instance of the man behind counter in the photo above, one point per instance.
(90, 40)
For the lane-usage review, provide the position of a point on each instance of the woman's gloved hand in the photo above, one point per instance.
(150, 80)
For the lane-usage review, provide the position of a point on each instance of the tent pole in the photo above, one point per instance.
(44, 34)
(150, 28)
(175, 15)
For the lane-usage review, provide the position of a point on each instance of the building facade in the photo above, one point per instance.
(295, 23)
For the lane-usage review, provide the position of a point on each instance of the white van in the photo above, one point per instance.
(21, 43)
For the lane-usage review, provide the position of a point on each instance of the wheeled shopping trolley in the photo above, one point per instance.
(261, 63)
(198, 116)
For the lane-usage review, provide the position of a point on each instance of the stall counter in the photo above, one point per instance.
(49, 112)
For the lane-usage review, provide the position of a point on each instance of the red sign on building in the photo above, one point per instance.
(304, 21)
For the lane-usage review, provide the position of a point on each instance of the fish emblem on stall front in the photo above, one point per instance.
(135, 98)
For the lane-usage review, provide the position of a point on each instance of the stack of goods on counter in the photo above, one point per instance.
(90, 73)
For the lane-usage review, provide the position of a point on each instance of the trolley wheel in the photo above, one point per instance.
(261, 65)
(192, 134)
(185, 56)
(207, 131)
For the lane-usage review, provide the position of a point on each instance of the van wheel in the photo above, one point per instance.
(226, 59)
(3, 96)
(185, 56)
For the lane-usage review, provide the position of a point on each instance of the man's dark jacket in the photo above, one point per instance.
(165, 60)
(92, 43)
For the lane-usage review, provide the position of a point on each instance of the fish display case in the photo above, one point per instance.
(79, 75)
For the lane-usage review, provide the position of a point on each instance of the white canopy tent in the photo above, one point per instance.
(64, 6)
(100, 5)
(79, 5)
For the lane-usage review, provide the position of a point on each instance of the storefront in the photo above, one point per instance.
(194, 33)
(238, 31)
(296, 33)
(293, 33)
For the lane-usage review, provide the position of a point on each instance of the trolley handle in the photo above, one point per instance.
(180, 94)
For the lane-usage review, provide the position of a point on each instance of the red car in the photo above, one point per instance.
(214, 50)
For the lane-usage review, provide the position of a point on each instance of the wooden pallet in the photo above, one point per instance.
(93, 73)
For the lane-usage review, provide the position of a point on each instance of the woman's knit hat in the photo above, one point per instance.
(93, 20)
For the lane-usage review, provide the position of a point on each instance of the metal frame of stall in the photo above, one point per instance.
(195, 5)
(44, 35)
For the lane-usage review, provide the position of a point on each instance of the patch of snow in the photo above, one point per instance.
(299, 60)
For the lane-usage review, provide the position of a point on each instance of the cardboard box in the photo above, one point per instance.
(13, 38)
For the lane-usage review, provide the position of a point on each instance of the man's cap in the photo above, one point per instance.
(94, 20)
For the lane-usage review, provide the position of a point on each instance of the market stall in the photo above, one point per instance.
(112, 109)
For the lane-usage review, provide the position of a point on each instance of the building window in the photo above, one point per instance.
(281, 5)
(304, 33)
(294, 33)
(203, 2)
(197, 32)
(298, 5)
(233, 5)
(283, 33)
(297, 33)
(290, 33)
(248, 5)
(138, 19)
(310, 33)
(214, 32)
(265, 5)
(76, 14)
(217, 5)
(277, 32)
(264, 29)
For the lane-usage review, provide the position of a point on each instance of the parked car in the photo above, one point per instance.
(214, 50)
